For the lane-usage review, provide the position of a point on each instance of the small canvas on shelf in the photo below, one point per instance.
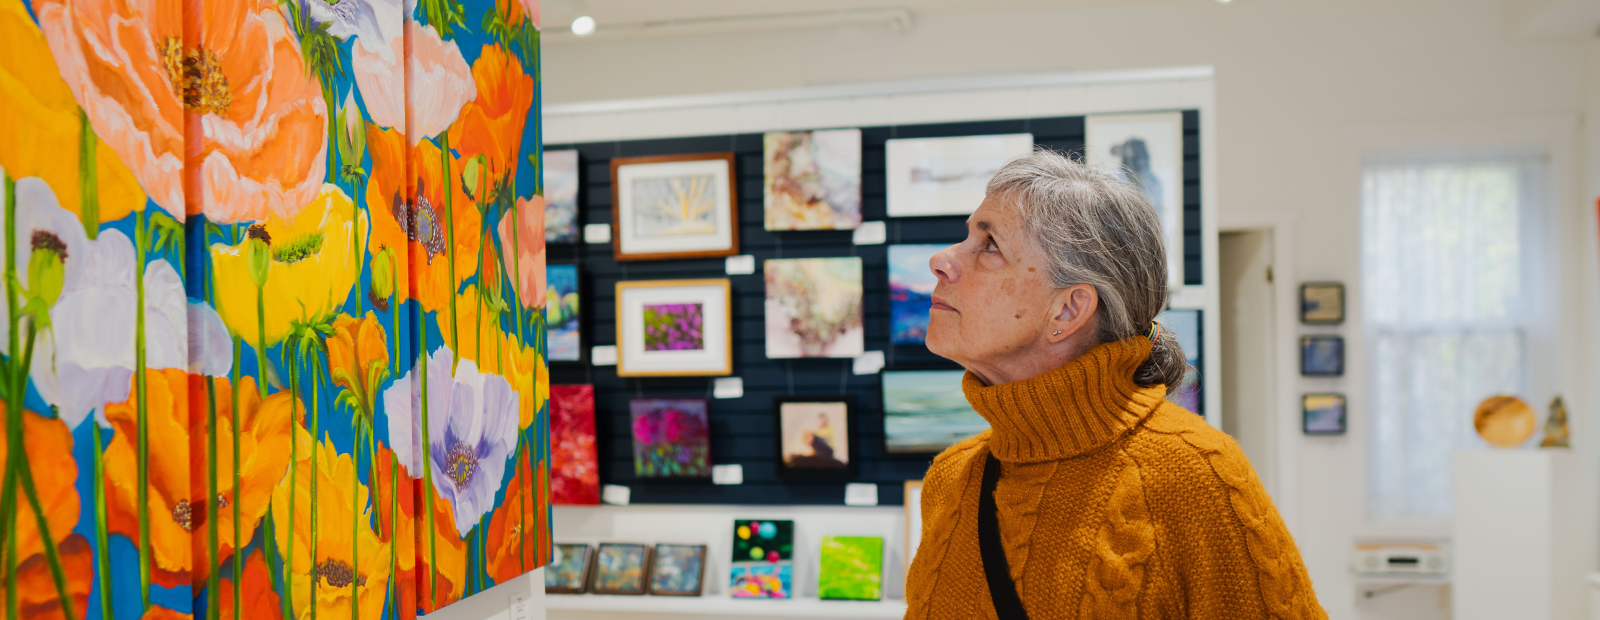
(674, 206)
(678, 570)
(925, 411)
(620, 568)
(851, 568)
(911, 283)
(814, 437)
(946, 176)
(1323, 414)
(568, 571)
(813, 308)
(674, 328)
(813, 179)
(1322, 356)
(763, 559)
(574, 460)
(671, 437)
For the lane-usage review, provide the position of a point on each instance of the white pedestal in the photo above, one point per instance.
(1523, 536)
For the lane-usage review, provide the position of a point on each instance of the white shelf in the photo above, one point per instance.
(724, 606)
(1401, 580)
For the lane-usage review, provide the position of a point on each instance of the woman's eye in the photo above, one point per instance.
(991, 247)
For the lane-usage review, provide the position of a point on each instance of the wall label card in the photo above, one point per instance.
(597, 233)
(727, 474)
(861, 494)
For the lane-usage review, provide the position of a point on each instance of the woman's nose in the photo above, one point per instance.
(944, 266)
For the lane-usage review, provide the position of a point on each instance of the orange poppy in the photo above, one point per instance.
(344, 568)
(386, 196)
(491, 125)
(263, 460)
(258, 600)
(48, 445)
(175, 512)
(358, 359)
(436, 591)
(157, 612)
(401, 532)
(424, 220)
(514, 530)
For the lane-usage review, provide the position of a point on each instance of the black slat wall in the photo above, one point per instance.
(742, 429)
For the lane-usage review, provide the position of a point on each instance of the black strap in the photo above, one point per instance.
(1007, 604)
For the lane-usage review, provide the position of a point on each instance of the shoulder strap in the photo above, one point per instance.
(1007, 604)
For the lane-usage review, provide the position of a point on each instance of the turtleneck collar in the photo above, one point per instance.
(1084, 404)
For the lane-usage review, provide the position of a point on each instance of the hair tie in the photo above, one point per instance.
(1155, 332)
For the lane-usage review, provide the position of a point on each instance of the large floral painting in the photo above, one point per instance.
(273, 344)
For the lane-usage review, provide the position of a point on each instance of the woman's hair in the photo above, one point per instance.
(1100, 231)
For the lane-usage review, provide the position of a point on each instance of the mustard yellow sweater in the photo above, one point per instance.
(1113, 504)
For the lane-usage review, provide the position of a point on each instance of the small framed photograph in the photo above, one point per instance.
(814, 437)
(674, 206)
(1322, 356)
(1322, 303)
(568, 571)
(674, 328)
(1322, 414)
(620, 568)
(561, 304)
(678, 570)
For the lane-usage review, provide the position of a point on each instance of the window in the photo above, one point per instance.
(1446, 300)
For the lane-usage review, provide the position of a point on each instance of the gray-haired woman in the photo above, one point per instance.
(1090, 496)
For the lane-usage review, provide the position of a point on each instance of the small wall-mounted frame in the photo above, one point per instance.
(621, 568)
(568, 572)
(561, 312)
(674, 328)
(1322, 414)
(815, 437)
(678, 570)
(1322, 303)
(1322, 356)
(674, 206)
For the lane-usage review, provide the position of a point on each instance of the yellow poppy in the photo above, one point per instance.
(311, 271)
(342, 566)
(498, 352)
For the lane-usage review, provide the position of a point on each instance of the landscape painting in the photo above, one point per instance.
(813, 179)
(813, 308)
(925, 411)
(911, 283)
(1147, 151)
(561, 304)
(561, 196)
(671, 437)
(946, 176)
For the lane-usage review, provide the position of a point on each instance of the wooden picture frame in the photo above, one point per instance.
(584, 573)
(1322, 303)
(597, 573)
(913, 502)
(1322, 356)
(654, 582)
(1324, 414)
(643, 353)
(630, 174)
(791, 430)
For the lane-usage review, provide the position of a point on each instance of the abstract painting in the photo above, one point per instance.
(763, 559)
(561, 303)
(851, 568)
(1322, 303)
(1147, 151)
(674, 328)
(244, 245)
(568, 571)
(946, 176)
(813, 307)
(813, 179)
(1322, 356)
(911, 283)
(1185, 324)
(814, 438)
(674, 206)
(574, 458)
(620, 569)
(925, 411)
(678, 570)
(671, 437)
(1323, 414)
(561, 196)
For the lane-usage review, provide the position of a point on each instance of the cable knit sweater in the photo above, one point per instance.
(1114, 503)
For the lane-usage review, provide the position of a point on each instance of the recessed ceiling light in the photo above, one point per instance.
(583, 26)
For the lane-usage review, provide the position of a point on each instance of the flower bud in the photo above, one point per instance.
(47, 269)
(382, 275)
(258, 248)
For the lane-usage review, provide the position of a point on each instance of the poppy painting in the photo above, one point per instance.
(275, 347)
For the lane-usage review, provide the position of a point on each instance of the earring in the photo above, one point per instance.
(1056, 333)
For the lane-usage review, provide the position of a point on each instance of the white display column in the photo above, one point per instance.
(1523, 535)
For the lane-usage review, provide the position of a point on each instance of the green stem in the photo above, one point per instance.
(24, 473)
(294, 483)
(522, 510)
(394, 303)
(88, 181)
(103, 555)
(316, 415)
(355, 530)
(215, 560)
(8, 513)
(238, 541)
(394, 529)
(450, 240)
(427, 470)
(261, 340)
(141, 400)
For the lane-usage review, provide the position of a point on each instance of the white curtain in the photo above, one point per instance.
(1444, 283)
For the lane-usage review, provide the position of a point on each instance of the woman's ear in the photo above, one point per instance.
(1075, 309)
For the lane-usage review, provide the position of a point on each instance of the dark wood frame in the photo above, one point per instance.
(1305, 340)
(700, 584)
(644, 576)
(848, 472)
(583, 304)
(1344, 417)
(1308, 285)
(616, 206)
(583, 581)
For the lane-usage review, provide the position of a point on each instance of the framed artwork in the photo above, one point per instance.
(911, 283)
(561, 196)
(620, 568)
(671, 437)
(674, 328)
(568, 571)
(851, 568)
(812, 179)
(561, 313)
(1322, 356)
(1322, 414)
(574, 459)
(925, 411)
(813, 307)
(763, 559)
(1147, 151)
(1322, 303)
(946, 176)
(814, 437)
(674, 206)
(913, 502)
(678, 570)
(1187, 325)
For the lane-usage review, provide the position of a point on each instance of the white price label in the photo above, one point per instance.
(871, 233)
(868, 363)
(603, 355)
(727, 387)
(597, 233)
(615, 494)
(741, 265)
(861, 494)
(727, 474)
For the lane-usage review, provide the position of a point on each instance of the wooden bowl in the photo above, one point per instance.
(1504, 421)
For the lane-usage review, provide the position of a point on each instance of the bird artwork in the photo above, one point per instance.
(1555, 426)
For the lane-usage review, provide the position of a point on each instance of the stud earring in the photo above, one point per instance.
(1056, 333)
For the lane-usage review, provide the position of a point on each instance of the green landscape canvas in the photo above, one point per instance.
(852, 568)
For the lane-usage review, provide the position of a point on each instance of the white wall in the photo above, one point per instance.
(1302, 88)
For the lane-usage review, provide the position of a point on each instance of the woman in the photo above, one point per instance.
(1112, 502)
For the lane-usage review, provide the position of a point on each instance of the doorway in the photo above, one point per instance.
(1247, 336)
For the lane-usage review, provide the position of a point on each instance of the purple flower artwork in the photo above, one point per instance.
(674, 327)
(671, 438)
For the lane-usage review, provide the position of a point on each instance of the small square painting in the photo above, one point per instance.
(813, 179)
(677, 570)
(568, 569)
(763, 559)
(1324, 414)
(852, 568)
(671, 438)
(814, 437)
(1322, 356)
(911, 283)
(620, 568)
(814, 308)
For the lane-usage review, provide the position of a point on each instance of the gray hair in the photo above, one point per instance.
(1101, 231)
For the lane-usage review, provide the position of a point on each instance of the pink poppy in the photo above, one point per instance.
(525, 265)
(374, 73)
(440, 82)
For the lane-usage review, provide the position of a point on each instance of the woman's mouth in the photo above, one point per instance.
(940, 304)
